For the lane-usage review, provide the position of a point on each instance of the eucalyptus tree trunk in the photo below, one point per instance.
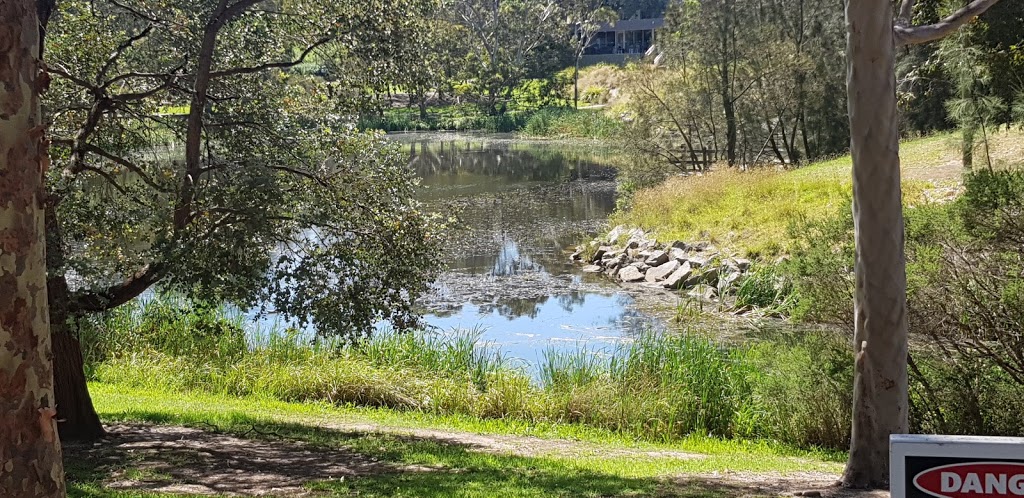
(30, 456)
(880, 310)
(880, 399)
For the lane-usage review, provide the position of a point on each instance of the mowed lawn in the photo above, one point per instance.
(180, 444)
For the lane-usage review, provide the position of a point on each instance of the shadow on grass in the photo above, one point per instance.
(246, 455)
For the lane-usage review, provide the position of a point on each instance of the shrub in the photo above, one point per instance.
(595, 95)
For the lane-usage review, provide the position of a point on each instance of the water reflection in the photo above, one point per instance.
(564, 322)
(522, 205)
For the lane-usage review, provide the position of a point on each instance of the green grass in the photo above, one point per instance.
(571, 123)
(607, 465)
(752, 211)
(658, 388)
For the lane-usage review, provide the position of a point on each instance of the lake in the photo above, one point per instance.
(524, 205)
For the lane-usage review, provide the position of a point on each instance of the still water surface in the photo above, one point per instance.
(524, 205)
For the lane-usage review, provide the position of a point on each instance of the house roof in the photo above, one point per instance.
(634, 24)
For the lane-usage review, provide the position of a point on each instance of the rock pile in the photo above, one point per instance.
(632, 256)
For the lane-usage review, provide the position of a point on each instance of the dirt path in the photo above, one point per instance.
(182, 460)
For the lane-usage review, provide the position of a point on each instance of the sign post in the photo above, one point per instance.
(956, 466)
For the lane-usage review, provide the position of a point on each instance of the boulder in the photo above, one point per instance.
(699, 247)
(576, 256)
(600, 253)
(592, 269)
(678, 244)
(657, 258)
(630, 274)
(697, 261)
(640, 265)
(677, 254)
(612, 271)
(615, 235)
(661, 272)
(710, 277)
(742, 264)
(614, 253)
(678, 277)
(705, 292)
(729, 280)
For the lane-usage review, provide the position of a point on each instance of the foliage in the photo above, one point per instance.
(263, 194)
(569, 123)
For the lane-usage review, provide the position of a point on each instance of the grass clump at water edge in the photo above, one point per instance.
(658, 388)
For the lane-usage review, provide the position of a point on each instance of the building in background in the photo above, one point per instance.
(618, 42)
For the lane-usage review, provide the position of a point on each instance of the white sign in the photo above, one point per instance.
(956, 466)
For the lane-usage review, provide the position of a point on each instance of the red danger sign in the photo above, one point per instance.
(956, 467)
(973, 480)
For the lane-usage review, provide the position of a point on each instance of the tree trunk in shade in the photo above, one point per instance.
(880, 337)
(30, 456)
(77, 417)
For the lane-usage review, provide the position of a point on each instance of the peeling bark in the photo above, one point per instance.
(30, 456)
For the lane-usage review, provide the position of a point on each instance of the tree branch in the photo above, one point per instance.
(116, 295)
(906, 16)
(125, 45)
(272, 65)
(922, 34)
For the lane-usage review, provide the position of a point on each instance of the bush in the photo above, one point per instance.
(595, 95)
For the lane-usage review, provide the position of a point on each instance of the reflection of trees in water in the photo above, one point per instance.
(512, 308)
(570, 301)
(509, 161)
(511, 261)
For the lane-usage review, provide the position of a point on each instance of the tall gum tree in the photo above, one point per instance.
(30, 456)
(880, 304)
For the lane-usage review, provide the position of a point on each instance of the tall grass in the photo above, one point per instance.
(571, 123)
(658, 387)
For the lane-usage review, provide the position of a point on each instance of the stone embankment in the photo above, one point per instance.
(633, 257)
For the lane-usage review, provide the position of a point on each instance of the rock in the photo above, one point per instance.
(611, 254)
(600, 253)
(742, 264)
(678, 244)
(678, 278)
(699, 247)
(612, 272)
(576, 256)
(710, 277)
(697, 261)
(615, 234)
(729, 281)
(651, 285)
(661, 272)
(640, 265)
(677, 254)
(630, 274)
(705, 292)
(592, 269)
(644, 254)
(657, 258)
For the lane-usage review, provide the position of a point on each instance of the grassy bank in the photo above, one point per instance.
(658, 388)
(753, 211)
